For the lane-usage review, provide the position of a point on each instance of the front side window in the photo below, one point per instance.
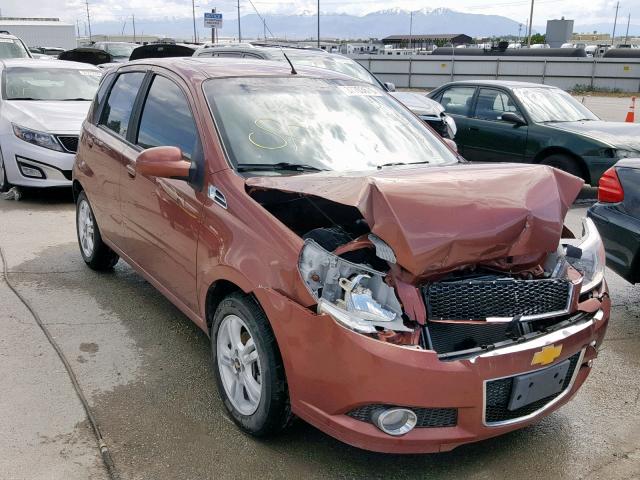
(324, 124)
(117, 110)
(29, 83)
(552, 105)
(166, 118)
(457, 100)
(491, 104)
(12, 48)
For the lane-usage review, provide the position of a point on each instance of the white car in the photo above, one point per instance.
(42, 108)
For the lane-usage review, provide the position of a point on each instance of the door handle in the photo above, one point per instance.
(89, 142)
(131, 169)
(474, 129)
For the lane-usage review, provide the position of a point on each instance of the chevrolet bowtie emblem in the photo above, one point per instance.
(547, 355)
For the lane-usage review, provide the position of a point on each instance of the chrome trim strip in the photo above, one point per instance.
(542, 341)
(563, 394)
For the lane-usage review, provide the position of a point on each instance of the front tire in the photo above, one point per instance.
(248, 368)
(95, 252)
(564, 163)
(4, 183)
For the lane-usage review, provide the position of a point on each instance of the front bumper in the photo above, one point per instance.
(332, 371)
(55, 166)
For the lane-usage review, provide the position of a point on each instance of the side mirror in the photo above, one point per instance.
(163, 162)
(513, 118)
(391, 87)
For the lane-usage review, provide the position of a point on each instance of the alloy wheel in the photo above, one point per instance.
(86, 228)
(239, 365)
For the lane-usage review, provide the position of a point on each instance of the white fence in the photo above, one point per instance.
(431, 71)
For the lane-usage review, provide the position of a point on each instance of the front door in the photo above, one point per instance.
(162, 216)
(457, 102)
(489, 138)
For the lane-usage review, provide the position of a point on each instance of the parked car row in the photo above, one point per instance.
(349, 267)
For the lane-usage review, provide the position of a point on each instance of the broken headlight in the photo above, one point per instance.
(356, 296)
(589, 258)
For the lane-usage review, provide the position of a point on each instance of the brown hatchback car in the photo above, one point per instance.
(347, 268)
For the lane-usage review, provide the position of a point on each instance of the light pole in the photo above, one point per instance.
(318, 23)
(530, 23)
(193, 9)
(239, 31)
(613, 35)
(410, 29)
(88, 18)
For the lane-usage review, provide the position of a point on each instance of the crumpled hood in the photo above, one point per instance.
(617, 134)
(48, 116)
(438, 218)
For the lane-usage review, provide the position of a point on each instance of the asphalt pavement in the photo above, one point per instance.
(145, 370)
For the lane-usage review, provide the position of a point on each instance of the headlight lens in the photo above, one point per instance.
(42, 139)
(626, 154)
(592, 261)
(356, 296)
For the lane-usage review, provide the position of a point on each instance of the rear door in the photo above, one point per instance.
(489, 138)
(457, 102)
(162, 216)
(102, 142)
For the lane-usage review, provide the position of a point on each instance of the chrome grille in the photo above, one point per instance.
(69, 142)
(503, 298)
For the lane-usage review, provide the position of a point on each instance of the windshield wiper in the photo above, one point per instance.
(393, 164)
(293, 167)
(23, 98)
(75, 99)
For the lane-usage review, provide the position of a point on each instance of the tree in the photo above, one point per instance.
(537, 38)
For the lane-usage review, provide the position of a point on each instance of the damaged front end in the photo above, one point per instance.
(447, 280)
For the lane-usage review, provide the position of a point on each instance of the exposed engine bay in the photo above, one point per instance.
(459, 309)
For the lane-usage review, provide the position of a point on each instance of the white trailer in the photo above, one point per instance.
(41, 32)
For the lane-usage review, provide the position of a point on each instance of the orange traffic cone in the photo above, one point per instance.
(631, 113)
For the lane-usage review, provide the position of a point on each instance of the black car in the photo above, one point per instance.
(617, 216)
(509, 121)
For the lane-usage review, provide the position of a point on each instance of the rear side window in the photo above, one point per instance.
(117, 110)
(166, 118)
(457, 100)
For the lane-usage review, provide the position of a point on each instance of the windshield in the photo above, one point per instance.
(552, 105)
(25, 83)
(320, 124)
(120, 50)
(12, 48)
(334, 63)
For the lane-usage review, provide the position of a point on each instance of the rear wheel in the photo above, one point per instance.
(248, 368)
(565, 163)
(94, 251)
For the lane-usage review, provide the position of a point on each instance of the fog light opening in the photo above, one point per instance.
(31, 171)
(395, 421)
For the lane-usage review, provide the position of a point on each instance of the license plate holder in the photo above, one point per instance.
(534, 386)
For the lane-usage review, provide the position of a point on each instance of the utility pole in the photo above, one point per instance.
(193, 10)
(239, 31)
(519, 31)
(133, 20)
(264, 29)
(613, 35)
(410, 29)
(78, 27)
(626, 37)
(530, 23)
(318, 23)
(213, 29)
(88, 18)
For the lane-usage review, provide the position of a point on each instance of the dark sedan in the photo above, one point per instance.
(617, 216)
(533, 123)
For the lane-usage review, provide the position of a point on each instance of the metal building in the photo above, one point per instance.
(41, 32)
(558, 32)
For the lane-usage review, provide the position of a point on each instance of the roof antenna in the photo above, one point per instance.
(264, 22)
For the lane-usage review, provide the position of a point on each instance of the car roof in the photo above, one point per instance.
(508, 84)
(8, 35)
(265, 49)
(44, 64)
(220, 67)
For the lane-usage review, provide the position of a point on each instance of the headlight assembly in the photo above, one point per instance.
(42, 139)
(621, 153)
(592, 259)
(356, 296)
